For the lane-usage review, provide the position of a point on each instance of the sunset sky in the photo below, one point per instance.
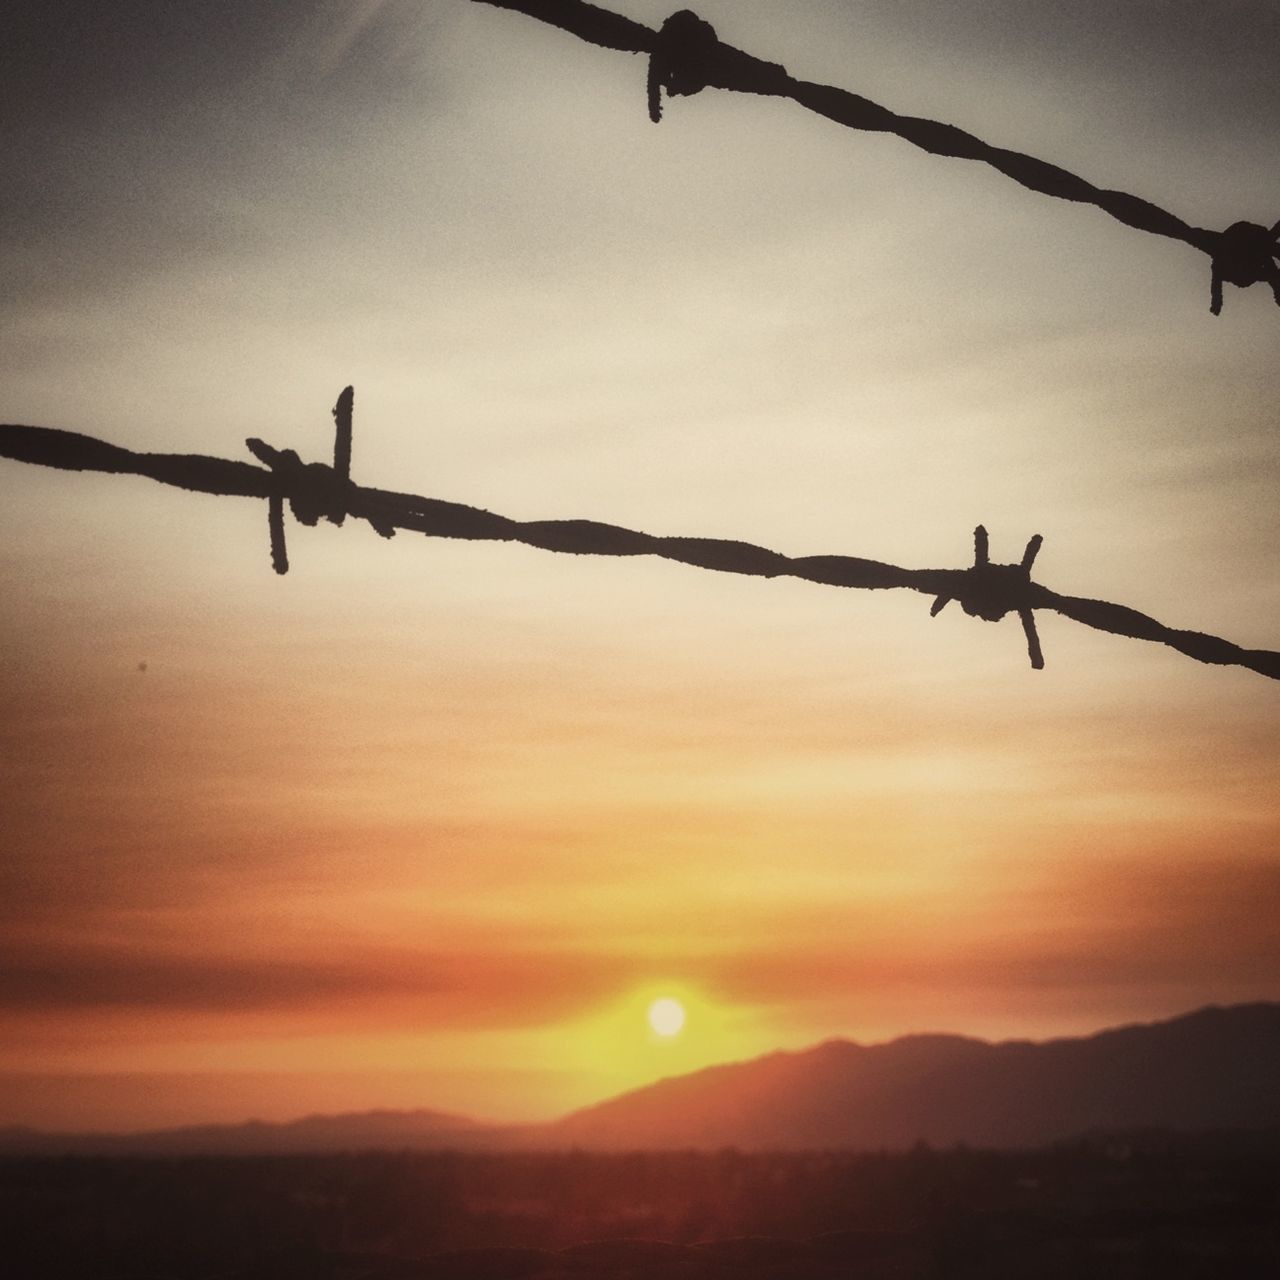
(430, 823)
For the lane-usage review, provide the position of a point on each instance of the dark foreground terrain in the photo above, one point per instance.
(1135, 1206)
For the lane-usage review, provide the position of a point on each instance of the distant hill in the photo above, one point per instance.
(361, 1131)
(1214, 1069)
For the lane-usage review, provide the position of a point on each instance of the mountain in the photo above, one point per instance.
(1214, 1069)
(361, 1131)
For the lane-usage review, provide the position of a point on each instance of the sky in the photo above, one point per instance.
(430, 823)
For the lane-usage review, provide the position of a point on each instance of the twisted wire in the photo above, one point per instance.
(314, 490)
(686, 56)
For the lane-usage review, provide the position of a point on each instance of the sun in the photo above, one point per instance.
(666, 1016)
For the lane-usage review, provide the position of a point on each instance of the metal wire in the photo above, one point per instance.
(686, 56)
(315, 490)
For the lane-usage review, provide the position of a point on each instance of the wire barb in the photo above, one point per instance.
(275, 527)
(1245, 253)
(990, 591)
(680, 60)
(312, 489)
(342, 412)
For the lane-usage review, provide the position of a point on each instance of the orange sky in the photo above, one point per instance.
(429, 823)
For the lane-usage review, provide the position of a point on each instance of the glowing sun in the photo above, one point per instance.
(666, 1016)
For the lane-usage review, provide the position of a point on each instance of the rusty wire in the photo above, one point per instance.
(315, 491)
(686, 56)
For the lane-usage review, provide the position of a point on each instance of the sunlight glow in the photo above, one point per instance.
(666, 1016)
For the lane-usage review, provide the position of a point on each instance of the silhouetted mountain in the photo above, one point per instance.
(1215, 1069)
(363, 1131)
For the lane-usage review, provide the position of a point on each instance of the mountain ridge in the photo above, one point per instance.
(1213, 1068)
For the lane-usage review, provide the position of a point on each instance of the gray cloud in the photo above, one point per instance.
(51, 978)
(1135, 925)
(67, 64)
(514, 989)
(1199, 65)
(142, 134)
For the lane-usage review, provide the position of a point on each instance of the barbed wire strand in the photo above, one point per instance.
(686, 56)
(314, 490)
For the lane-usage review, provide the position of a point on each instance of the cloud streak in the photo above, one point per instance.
(364, 988)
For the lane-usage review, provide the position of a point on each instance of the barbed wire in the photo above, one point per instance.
(686, 56)
(315, 491)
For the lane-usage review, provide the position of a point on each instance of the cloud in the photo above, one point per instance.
(1200, 66)
(1139, 932)
(53, 978)
(145, 136)
(71, 63)
(353, 986)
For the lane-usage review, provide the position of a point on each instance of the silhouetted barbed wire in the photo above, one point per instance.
(686, 56)
(315, 490)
